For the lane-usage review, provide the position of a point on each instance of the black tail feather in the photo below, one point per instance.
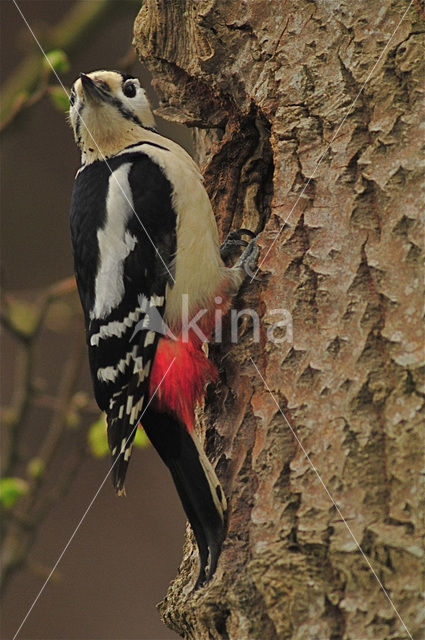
(195, 522)
(197, 485)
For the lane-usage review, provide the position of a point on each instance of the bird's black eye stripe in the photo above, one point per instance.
(129, 89)
(101, 84)
(128, 115)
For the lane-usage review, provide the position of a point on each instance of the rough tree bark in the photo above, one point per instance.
(269, 85)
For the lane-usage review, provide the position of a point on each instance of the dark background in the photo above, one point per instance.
(121, 560)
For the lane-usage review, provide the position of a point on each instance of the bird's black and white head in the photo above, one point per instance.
(108, 110)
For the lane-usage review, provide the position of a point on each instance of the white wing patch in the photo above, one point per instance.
(111, 373)
(150, 337)
(115, 328)
(115, 244)
(135, 411)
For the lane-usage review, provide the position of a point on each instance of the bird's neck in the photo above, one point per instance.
(101, 147)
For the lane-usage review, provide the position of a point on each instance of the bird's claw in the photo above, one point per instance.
(233, 241)
(248, 259)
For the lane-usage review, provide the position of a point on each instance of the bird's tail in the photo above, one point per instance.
(197, 484)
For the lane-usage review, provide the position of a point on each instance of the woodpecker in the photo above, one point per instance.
(144, 240)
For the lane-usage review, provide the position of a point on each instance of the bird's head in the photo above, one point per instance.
(108, 111)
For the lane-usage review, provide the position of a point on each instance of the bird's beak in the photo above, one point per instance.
(91, 90)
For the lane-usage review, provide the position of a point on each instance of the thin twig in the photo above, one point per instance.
(24, 389)
(75, 27)
(21, 523)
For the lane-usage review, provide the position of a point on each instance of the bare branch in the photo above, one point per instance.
(31, 75)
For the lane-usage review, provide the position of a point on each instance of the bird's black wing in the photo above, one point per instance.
(123, 342)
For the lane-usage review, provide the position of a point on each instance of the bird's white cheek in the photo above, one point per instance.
(102, 124)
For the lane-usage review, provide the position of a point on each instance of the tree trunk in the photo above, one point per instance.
(307, 121)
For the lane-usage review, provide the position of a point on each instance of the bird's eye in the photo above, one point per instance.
(72, 97)
(129, 89)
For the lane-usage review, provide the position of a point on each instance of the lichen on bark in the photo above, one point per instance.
(308, 130)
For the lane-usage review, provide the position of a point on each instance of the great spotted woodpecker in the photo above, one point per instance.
(144, 240)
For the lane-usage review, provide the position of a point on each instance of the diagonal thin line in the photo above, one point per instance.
(83, 517)
(332, 500)
(319, 162)
(94, 141)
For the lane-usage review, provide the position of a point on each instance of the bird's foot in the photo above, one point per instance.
(248, 259)
(233, 242)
